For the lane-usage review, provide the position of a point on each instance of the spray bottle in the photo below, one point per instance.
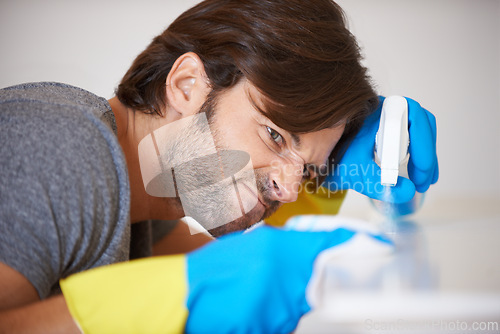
(391, 154)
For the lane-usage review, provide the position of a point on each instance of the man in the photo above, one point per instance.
(280, 81)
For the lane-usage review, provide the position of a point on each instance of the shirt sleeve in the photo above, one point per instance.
(60, 199)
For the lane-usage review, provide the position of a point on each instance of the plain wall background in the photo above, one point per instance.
(443, 53)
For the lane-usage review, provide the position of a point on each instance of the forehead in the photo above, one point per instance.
(299, 140)
(314, 146)
(319, 144)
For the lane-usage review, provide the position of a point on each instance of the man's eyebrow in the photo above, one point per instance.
(296, 140)
(319, 170)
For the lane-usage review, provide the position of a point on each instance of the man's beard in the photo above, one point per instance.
(253, 216)
(215, 185)
(262, 182)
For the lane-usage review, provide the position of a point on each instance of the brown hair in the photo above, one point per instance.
(299, 54)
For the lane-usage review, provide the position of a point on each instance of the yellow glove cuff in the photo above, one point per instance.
(322, 201)
(140, 296)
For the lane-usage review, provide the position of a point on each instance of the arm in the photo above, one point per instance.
(21, 310)
(15, 289)
(252, 282)
(50, 316)
(179, 241)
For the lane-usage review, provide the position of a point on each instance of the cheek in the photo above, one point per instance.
(236, 136)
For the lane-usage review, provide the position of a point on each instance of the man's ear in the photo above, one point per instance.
(187, 85)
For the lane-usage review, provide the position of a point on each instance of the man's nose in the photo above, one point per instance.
(285, 181)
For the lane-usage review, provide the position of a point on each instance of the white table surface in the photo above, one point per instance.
(443, 277)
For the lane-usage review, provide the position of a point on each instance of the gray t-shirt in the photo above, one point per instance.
(64, 189)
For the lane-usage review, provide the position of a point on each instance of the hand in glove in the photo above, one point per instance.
(357, 169)
(250, 283)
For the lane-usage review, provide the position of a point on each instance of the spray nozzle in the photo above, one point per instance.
(392, 140)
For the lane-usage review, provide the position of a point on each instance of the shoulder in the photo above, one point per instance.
(53, 122)
(54, 93)
(56, 117)
(63, 182)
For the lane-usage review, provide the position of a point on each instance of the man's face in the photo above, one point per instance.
(281, 160)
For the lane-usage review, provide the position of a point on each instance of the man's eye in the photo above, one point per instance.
(275, 135)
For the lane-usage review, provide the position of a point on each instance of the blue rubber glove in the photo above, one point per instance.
(254, 282)
(357, 169)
